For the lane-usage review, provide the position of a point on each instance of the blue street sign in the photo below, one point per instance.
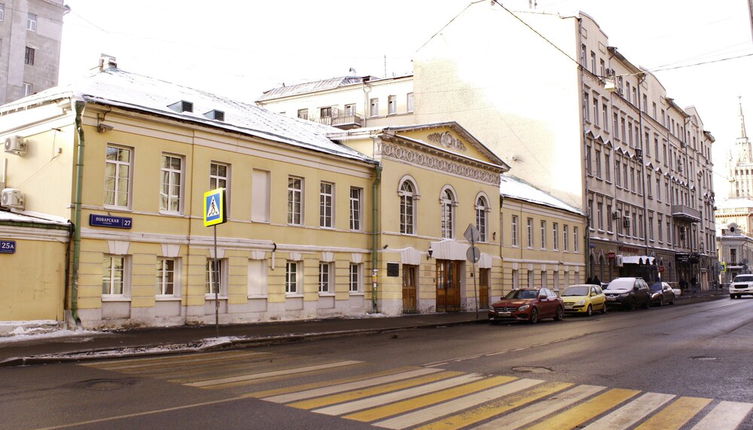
(7, 246)
(214, 207)
(110, 221)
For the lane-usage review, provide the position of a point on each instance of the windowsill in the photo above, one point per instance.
(164, 212)
(323, 294)
(117, 208)
(115, 298)
(356, 293)
(167, 298)
(261, 221)
(326, 227)
(258, 296)
(210, 296)
(294, 295)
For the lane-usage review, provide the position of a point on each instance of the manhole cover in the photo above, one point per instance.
(704, 358)
(532, 369)
(103, 384)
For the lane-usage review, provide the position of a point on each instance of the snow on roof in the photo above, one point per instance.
(516, 188)
(735, 203)
(32, 217)
(116, 87)
(310, 87)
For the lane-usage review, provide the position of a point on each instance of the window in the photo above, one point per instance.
(325, 112)
(607, 171)
(600, 215)
(597, 156)
(605, 115)
(609, 218)
(409, 102)
(565, 237)
(590, 214)
(481, 218)
(326, 198)
(373, 107)
(292, 276)
(257, 278)
(576, 239)
(617, 165)
(515, 279)
(595, 102)
(350, 109)
(555, 235)
(113, 275)
(171, 182)
(295, 200)
(29, 56)
(585, 107)
(543, 278)
(589, 167)
(325, 277)
(593, 62)
(31, 22)
(117, 176)
(260, 196)
(583, 55)
(355, 208)
(448, 214)
(355, 278)
(303, 113)
(28, 87)
(391, 105)
(542, 231)
(2, 11)
(215, 270)
(514, 228)
(614, 126)
(529, 231)
(166, 276)
(407, 207)
(529, 280)
(602, 67)
(219, 177)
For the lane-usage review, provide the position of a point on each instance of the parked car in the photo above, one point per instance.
(676, 290)
(742, 284)
(584, 299)
(527, 304)
(662, 294)
(628, 292)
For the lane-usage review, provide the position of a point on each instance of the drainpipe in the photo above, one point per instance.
(641, 79)
(375, 235)
(79, 108)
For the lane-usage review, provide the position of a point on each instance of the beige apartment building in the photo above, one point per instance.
(30, 34)
(583, 123)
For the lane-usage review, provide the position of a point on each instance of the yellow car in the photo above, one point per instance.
(584, 299)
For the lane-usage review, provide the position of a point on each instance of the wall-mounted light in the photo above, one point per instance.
(428, 253)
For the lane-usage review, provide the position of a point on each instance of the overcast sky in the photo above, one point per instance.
(240, 48)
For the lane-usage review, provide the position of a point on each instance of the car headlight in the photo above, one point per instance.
(524, 307)
(580, 302)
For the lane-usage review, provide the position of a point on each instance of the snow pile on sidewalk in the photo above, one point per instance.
(18, 331)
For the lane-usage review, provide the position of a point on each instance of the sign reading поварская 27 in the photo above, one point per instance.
(110, 221)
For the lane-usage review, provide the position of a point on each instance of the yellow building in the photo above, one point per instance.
(320, 222)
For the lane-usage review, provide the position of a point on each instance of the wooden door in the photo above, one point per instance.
(483, 288)
(448, 285)
(409, 288)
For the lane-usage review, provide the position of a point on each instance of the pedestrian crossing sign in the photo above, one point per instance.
(214, 207)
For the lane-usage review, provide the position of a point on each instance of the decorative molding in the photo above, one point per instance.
(447, 140)
(356, 258)
(118, 247)
(171, 251)
(328, 257)
(258, 255)
(441, 164)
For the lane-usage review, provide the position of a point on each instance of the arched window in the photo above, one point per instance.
(447, 200)
(407, 207)
(481, 217)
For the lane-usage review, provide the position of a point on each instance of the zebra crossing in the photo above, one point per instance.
(431, 397)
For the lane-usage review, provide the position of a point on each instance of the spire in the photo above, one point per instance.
(743, 134)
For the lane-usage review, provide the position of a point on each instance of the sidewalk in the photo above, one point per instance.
(172, 340)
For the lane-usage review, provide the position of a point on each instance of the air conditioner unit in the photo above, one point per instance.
(15, 145)
(12, 198)
(626, 222)
(615, 215)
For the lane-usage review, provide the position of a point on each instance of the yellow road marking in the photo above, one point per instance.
(366, 392)
(585, 411)
(427, 399)
(496, 407)
(627, 415)
(676, 414)
(262, 375)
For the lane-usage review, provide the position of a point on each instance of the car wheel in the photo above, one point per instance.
(589, 311)
(647, 304)
(559, 315)
(631, 305)
(534, 316)
(731, 296)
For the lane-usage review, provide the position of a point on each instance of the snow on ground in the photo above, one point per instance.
(19, 331)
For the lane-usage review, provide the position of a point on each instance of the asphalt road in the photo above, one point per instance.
(701, 350)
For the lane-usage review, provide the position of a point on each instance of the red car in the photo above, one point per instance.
(527, 304)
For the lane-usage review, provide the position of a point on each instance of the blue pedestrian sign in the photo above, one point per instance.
(214, 207)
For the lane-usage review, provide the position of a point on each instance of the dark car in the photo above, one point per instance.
(527, 304)
(662, 294)
(629, 293)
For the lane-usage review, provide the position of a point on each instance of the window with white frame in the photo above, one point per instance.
(409, 102)
(542, 232)
(326, 275)
(303, 113)
(391, 105)
(355, 207)
(407, 207)
(565, 237)
(543, 278)
(219, 177)
(374, 107)
(529, 279)
(117, 176)
(28, 88)
(355, 278)
(529, 231)
(600, 215)
(481, 218)
(514, 230)
(171, 183)
(295, 200)
(349, 109)
(260, 196)
(215, 276)
(555, 236)
(293, 276)
(114, 275)
(447, 201)
(515, 279)
(257, 278)
(167, 276)
(31, 22)
(326, 202)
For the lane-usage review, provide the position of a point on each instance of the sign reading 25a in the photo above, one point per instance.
(214, 207)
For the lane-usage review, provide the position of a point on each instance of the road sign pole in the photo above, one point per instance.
(475, 283)
(216, 282)
(214, 213)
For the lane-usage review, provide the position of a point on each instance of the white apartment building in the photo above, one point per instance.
(572, 116)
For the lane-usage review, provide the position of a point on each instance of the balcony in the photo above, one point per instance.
(686, 213)
(345, 122)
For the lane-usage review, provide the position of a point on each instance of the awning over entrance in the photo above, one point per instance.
(637, 259)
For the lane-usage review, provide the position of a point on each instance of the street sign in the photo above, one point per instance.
(7, 246)
(214, 207)
(472, 234)
(97, 220)
(473, 254)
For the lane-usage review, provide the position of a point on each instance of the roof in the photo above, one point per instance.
(115, 87)
(310, 87)
(516, 188)
(31, 218)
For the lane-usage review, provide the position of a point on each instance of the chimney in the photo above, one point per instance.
(107, 62)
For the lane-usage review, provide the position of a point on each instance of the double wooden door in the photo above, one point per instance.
(448, 285)
(410, 276)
